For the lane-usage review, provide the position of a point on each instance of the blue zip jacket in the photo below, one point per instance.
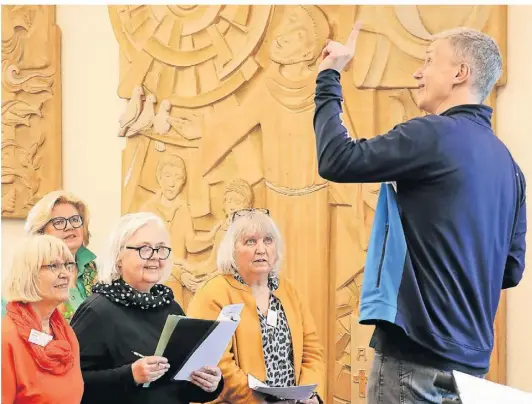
(449, 239)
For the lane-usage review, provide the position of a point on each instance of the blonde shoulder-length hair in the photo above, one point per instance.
(20, 281)
(107, 261)
(252, 222)
(41, 213)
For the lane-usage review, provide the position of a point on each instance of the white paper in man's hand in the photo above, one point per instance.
(474, 390)
(283, 393)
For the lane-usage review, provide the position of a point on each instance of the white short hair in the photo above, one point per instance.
(481, 52)
(250, 223)
(20, 281)
(125, 228)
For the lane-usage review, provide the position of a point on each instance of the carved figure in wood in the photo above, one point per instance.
(294, 190)
(237, 195)
(171, 205)
(31, 107)
(237, 82)
(133, 110)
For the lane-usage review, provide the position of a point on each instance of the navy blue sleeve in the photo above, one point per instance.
(515, 263)
(408, 151)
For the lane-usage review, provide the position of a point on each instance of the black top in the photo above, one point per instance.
(108, 334)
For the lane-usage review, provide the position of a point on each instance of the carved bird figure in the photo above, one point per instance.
(133, 110)
(160, 121)
(145, 118)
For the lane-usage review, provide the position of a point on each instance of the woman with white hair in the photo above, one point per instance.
(65, 216)
(276, 340)
(119, 325)
(40, 352)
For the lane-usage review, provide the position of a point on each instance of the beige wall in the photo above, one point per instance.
(92, 151)
(514, 126)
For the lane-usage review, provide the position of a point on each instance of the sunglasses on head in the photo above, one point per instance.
(247, 211)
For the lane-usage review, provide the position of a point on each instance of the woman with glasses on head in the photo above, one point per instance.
(65, 216)
(276, 340)
(119, 325)
(40, 352)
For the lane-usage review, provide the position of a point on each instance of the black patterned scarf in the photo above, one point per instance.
(120, 292)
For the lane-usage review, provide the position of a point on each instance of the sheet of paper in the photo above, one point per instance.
(213, 347)
(231, 312)
(473, 390)
(169, 327)
(283, 393)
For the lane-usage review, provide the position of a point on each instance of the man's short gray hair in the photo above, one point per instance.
(250, 223)
(481, 52)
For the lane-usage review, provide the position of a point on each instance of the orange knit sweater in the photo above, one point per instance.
(23, 382)
(244, 354)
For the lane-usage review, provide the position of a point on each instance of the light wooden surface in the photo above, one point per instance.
(220, 117)
(31, 107)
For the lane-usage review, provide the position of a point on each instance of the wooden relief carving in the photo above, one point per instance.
(31, 107)
(220, 118)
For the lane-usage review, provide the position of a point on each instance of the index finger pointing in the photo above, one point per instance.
(351, 40)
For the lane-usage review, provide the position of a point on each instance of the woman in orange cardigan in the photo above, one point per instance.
(276, 340)
(40, 352)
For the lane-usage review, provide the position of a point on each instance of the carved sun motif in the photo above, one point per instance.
(192, 55)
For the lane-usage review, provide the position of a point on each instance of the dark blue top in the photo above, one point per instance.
(447, 240)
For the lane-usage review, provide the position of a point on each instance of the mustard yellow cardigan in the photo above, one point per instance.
(244, 354)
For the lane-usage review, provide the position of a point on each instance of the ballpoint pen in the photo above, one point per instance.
(137, 354)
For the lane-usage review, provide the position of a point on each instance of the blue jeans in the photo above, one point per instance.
(394, 381)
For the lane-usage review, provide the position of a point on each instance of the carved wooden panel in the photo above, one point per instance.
(220, 117)
(31, 107)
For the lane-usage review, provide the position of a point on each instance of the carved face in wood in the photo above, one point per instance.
(171, 180)
(237, 195)
(139, 273)
(441, 75)
(294, 41)
(73, 237)
(234, 201)
(255, 254)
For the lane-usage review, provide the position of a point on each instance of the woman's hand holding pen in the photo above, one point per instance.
(149, 369)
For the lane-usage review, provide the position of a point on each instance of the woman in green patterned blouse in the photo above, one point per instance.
(63, 215)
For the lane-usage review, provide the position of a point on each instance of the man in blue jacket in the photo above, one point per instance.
(449, 234)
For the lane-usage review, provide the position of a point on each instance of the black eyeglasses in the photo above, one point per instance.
(244, 212)
(56, 267)
(146, 251)
(60, 223)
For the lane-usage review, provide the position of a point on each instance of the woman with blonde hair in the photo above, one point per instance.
(40, 352)
(276, 340)
(65, 216)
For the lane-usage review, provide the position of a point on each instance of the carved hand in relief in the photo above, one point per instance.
(191, 282)
(188, 276)
(335, 55)
(187, 126)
